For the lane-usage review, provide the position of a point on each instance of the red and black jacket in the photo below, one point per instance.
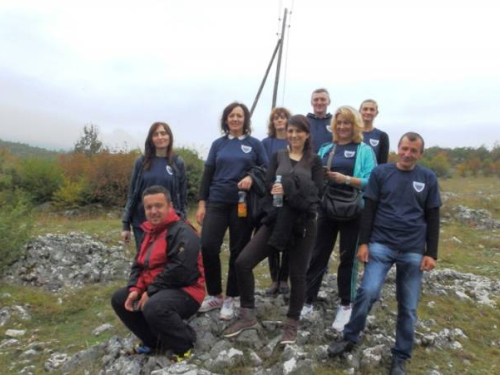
(169, 258)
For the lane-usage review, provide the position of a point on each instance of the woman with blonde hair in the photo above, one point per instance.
(348, 168)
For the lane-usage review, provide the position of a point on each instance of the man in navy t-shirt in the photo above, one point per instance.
(373, 137)
(400, 225)
(320, 119)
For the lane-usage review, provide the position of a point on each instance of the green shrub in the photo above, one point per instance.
(15, 226)
(194, 171)
(71, 194)
(40, 178)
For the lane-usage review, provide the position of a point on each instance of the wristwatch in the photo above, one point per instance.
(348, 180)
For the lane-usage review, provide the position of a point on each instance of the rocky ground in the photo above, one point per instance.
(62, 262)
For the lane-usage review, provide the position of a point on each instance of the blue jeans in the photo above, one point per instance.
(408, 281)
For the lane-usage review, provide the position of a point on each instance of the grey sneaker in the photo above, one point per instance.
(246, 320)
(289, 335)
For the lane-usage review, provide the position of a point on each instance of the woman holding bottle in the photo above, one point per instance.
(291, 227)
(226, 173)
(275, 141)
(159, 166)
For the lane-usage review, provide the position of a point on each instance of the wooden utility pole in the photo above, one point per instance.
(279, 47)
(278, 66)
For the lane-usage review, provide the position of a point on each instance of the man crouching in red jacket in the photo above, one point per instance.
(167, 283)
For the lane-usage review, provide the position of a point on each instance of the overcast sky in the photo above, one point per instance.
(433, 66)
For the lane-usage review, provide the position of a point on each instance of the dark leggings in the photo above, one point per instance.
(347, 270)
(257, 250)
(278, 266)
(160, 324)
(219, 217)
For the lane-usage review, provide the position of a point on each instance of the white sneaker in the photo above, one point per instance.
(342, 318)
(210, 303)
(227, 310)
(306, 311)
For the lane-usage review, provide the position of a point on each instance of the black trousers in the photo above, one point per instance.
(219, 217)
(160, 324)
(347, 270)
(278, 266)
(298, 257)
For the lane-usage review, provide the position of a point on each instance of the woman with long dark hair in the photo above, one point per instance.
(225, 178)
(350, 167)
(275, 141)
(290, 228)
(159, 165)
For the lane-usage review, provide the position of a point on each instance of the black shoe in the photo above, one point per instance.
(398, 366)
(337, 348)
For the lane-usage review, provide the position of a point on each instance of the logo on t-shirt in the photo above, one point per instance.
(169, 170)
(349, 154)
(246, 149)
(328, 128)
(418, 186)
(374, 142)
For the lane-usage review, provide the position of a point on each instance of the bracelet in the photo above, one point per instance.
(348, 180)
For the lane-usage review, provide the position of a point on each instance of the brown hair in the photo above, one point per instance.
(225, 114)
(150, 149)
(271, 131)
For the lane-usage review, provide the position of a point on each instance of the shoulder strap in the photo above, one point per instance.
(330, 157)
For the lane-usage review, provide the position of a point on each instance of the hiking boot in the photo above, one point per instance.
(289, 335)
(398, 366)
(246, 320)
(283, 288)
(273, 289)
(306, 311)
(342, 318)
(176, 358)
(227, 310)
(337, 348)
(142, 349)
(211, 303)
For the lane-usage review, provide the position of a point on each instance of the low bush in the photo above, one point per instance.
(15, 226)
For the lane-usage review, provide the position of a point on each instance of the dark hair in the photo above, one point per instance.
(225, 114)
(271, 131)
(412, 137)
(301, 123)
(149, 147)
(157, 189)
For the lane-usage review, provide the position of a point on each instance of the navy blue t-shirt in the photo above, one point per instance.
(232, 159)
(321, 131)
(160, 173)
(273, 145)
(402, 197)
(372, 139)
(343, 159)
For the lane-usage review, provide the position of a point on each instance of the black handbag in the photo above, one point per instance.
(341, 203)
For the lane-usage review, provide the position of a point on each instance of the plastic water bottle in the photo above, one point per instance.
(278, 198)
(242, 204)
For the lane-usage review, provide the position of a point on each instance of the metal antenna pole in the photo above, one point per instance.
(265, 78)
(278, 67)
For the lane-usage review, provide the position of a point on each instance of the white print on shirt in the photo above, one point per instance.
(349, 154)
(418, 186)
(374, 142)
(246, 149)
(169, 170)
(329, 128)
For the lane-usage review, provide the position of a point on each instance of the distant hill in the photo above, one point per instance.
(22, 150)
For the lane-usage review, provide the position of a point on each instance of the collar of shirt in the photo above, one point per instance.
(241, 137)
